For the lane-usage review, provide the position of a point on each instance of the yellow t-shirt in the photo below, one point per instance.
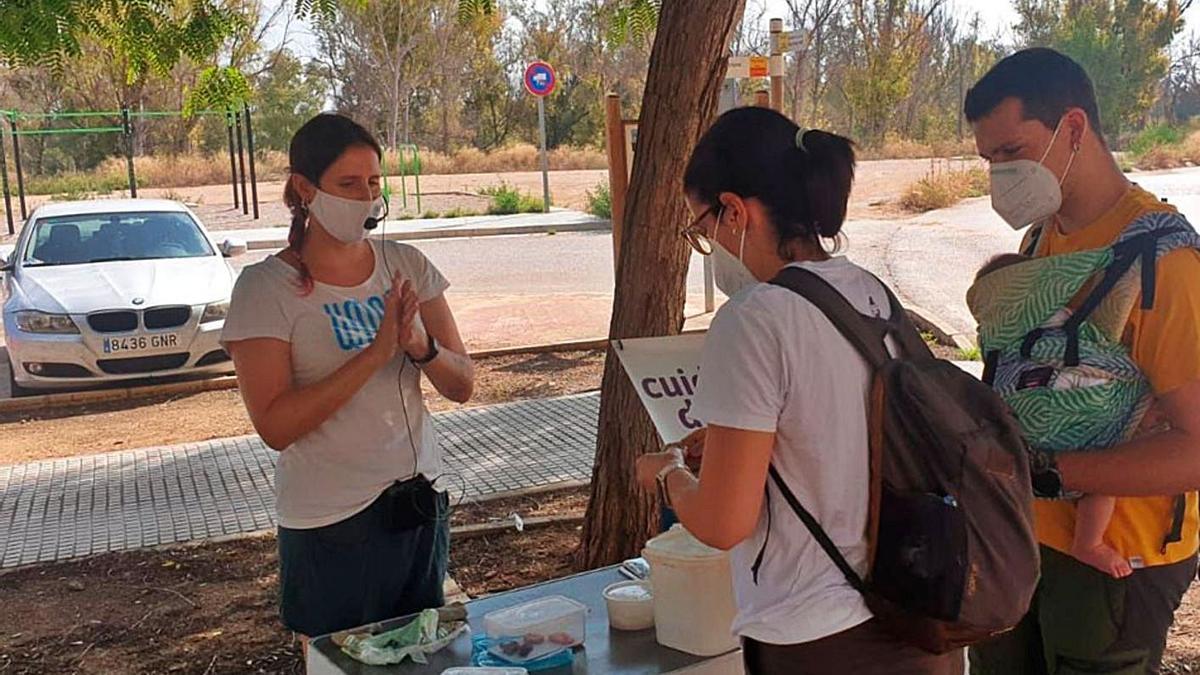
(1165, 342)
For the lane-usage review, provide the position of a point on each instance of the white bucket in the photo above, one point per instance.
(693, 594)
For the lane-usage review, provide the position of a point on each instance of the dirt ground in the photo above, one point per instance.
(212, 607)
(125, 425)
(879, 184)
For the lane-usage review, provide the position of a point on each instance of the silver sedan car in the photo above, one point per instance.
(105, 290)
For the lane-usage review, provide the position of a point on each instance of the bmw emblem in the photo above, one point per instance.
(139, 301)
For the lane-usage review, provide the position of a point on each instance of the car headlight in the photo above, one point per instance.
(40, 322)
(217, 311)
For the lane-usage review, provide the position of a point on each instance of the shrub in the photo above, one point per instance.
(942, 189)
(600, 201)
(507, 200)
(1156, 136)
(970, 354)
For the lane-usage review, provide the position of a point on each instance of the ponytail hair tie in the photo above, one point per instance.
(800, 134)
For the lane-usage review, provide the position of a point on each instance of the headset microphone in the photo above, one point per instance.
(373, 222)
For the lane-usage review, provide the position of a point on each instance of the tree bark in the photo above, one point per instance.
(687, 68)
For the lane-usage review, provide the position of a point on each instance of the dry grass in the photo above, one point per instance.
(941, 189)
(172, 171)
(1175, 156)
(894, 147)
(523, 157)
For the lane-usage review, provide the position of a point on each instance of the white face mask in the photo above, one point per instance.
(1025, 192)
(730, 273)
(344, 219)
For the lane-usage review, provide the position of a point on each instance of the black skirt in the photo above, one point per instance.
(365, 568)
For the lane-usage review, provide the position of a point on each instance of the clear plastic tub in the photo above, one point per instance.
(485, 671)
(536, 629)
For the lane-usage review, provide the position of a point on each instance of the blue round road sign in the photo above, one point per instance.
(540, 78)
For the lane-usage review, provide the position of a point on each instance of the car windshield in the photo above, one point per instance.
(93, 238)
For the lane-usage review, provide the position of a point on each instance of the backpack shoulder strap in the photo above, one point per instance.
(818, 533)
(866, 334)
(1145, 239)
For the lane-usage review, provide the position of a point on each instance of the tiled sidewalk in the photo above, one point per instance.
(64, 508)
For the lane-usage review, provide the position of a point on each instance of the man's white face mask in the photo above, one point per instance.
(1025, 192)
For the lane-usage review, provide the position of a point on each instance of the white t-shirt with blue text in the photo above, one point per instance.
(339, 468)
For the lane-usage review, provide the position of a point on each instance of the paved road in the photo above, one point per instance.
(537, 288)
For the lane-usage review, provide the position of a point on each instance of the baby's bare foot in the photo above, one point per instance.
(1104, 558)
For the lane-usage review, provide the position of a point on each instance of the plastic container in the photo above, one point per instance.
(536, 629)
(693, 594)
(630, 605)
(485, 671)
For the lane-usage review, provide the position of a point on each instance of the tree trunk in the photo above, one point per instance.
(687, 68)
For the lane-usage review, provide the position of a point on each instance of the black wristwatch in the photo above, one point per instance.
(433, 353)
(1045, 476)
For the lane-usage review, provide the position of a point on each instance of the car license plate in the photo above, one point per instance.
(140, 343)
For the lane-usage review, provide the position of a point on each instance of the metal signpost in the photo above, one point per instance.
(540, 81)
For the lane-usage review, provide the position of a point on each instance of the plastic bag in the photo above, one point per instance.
(415, 640)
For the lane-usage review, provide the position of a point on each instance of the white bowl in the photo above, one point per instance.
(630, 605)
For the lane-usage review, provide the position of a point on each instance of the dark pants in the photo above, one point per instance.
(1085, 621)
(361, 570)
(866, 649)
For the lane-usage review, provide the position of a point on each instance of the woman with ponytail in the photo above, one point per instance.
(330, 338)
(781, 387)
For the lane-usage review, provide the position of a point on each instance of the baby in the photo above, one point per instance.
(1093, 512)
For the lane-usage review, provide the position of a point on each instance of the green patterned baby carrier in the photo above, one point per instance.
(1032, 347)
(1068, 375)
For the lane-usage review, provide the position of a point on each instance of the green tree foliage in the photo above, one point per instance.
(891, 37)
(1121, 43)
(219, 87)
(632, 20)
(285, 95)
(148, 35)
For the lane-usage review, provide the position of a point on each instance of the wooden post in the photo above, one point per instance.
(762, 98)
(776, 65)
(618, 177)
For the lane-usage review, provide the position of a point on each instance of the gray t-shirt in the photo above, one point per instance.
(339, 468)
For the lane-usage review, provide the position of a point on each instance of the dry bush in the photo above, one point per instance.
(521, 157)
(195, 169)
(895, 147)
(945, 188)
(1176, 156)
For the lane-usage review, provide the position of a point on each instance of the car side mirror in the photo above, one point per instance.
(6, 267)
(232, 247)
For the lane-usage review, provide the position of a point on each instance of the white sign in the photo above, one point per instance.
(788, 42)
(741, 67)
(664, 371)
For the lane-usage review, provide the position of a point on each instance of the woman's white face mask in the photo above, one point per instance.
(344, 219)
(1025, 192)
(731, 274)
